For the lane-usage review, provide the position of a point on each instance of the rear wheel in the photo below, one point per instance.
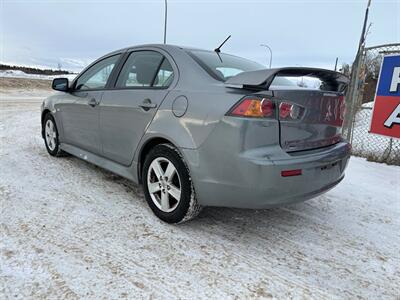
(51, 136)
(168, 187)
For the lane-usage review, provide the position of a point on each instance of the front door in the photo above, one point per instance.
(80, 110)
(126, 110)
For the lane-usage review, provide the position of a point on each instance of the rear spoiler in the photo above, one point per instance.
(262, 79)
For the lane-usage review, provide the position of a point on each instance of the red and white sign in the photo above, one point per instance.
(386, 113)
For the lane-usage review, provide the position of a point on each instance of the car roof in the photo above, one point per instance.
(162, 46)
(165, 47)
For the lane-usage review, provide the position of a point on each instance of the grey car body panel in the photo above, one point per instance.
(233, 161)
(246, 171)
(123, 121)
(80, 121)
(126, 172)
(208, 101)
(317, 127)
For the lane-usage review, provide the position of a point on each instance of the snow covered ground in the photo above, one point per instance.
(21, 74)
(71, 230)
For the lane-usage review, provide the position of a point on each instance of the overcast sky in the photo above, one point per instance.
(304, 33)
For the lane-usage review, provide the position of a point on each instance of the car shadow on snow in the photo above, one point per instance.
(286, 217)
(282, 219)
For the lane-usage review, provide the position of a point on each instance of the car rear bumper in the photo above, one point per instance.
(252, 179)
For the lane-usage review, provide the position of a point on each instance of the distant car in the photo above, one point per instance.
(201, 128)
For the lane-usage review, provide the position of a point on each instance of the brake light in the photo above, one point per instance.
(254, 107)
(284, 110)
(342, 108)
(267, 107)
(288, 111)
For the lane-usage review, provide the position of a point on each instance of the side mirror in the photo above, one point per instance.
(60, 84)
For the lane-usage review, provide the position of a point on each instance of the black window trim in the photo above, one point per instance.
(151, 87)
(204, 66)
(157, 71)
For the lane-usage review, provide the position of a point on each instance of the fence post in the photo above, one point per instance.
(362, 88)
(389, 151)
(353, 93)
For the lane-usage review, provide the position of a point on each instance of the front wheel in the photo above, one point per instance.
(51, 136)
(168, 187)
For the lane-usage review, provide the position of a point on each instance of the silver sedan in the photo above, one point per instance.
(202, 128)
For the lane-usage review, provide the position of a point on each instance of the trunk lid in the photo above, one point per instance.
(319, 123)
(309, 118)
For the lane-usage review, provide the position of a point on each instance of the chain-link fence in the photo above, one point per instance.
(360, 96)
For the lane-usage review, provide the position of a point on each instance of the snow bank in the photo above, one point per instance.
(21, 74)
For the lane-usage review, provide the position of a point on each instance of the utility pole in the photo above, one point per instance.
(270, 51)
(165, 21)
(336, 63)
(352, 91)
(364, 29)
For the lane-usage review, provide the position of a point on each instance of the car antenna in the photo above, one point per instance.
(218, 50)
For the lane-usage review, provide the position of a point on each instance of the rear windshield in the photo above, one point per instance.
(223, 66)
(283, 81)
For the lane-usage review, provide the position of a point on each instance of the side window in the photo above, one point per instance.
(97, 75)
(165, 74)
(141, 70)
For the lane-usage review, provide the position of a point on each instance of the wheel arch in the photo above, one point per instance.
(145, 149)
(44, 113)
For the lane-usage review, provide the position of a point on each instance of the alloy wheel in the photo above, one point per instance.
(164, 184)
(50, 135)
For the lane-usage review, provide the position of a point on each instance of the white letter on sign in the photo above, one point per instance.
(395, 79)
(393, 118)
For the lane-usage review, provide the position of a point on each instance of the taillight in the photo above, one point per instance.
(254, 107)
(284, 110)
(342, 108)
(289, 111)
(257, 107)
(267, 107)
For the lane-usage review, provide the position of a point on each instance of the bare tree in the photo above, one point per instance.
(372, 63)
(345, 69)
(369, 75)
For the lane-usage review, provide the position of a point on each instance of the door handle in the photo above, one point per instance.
(146, 104)
(92, 102)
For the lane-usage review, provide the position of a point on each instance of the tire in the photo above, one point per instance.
(51, 136)
(173, 210)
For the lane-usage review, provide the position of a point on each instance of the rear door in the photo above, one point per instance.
(80, 110)
(128, 108)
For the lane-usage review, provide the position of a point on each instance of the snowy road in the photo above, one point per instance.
(70, 230)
